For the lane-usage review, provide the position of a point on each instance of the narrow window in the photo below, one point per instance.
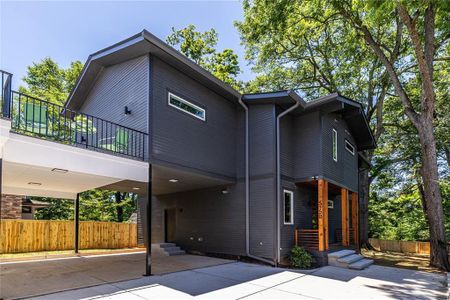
(187, 107)
(349, 147)
(335, 145)
(288, 207)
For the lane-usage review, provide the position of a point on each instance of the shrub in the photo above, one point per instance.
(300, 258)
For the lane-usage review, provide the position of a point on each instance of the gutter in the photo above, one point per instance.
(247, 191)
(298, 101)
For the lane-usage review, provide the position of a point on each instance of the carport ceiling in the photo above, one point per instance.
(163, 182)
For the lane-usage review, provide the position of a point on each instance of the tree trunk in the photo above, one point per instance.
(363, 198)
(119, 207)
(430, 178)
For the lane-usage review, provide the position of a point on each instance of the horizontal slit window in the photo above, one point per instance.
(349, 147)
(187, 107)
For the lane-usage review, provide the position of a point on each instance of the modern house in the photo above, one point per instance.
(243, 175)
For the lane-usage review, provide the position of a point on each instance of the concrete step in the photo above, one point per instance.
(172, 249)
(179, 252)
(340, 254)
(349, 259)
(167, 245)
(361, 264)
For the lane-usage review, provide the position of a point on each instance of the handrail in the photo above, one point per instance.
(39, 118)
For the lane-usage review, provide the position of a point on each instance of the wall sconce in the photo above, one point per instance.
(225, 191)
(127, 111)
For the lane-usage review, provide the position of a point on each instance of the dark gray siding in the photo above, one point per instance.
(345, 170)
(288, 137)
(182, 139)
(206, 220)
(302, 215)
(262, 200)
(124, 84)
(307, 145)
(334, 218)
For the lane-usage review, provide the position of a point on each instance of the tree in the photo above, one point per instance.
(427, 31)
(201, 48)
(47, 81)
(306, 46)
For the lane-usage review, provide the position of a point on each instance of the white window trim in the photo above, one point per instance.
(352, 148)
(291, 193)
(334, 134)
(187, 103)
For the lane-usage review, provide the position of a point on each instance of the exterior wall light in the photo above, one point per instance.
(173, 180)
(127, 110)
(225, 191)
(136, 188)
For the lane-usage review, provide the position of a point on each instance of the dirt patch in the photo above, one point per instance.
(401, 260)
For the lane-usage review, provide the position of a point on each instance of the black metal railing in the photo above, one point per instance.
(5, 93)
(35, 117)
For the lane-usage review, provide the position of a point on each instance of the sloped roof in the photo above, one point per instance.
(352, 112)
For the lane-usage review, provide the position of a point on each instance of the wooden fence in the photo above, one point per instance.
(409, 247)
(39, 235)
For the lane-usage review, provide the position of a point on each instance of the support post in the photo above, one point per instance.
(1, 184)
(325, 213)
(77, 224)
(355, 225)
(322, 214)
(344, 214)
(148, 210)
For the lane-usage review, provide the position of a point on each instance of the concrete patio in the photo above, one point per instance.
(242, 280)
(30, 278)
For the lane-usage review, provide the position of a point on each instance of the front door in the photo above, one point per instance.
(169, 225)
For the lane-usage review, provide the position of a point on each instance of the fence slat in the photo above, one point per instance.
(49, 235)
(407, 247)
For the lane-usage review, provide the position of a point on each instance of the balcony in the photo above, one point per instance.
(44, 120)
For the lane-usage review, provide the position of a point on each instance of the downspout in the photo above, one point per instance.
(247, 191)
(278, 185)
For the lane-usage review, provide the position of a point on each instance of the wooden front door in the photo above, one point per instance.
(169, 225)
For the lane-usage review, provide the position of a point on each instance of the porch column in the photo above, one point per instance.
(148, 212)
(355, 225)
(322, 214)
(76, 220)
(344, 213)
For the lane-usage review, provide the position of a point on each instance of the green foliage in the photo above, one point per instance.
(47, 81)
(300, 258)
(95, 205)
(201, 48)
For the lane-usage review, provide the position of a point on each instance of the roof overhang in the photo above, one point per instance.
(140, 44)
(352, 112)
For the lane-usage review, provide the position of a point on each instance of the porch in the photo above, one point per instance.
(333, 204)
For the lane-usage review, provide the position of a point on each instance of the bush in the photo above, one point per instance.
(300, 258)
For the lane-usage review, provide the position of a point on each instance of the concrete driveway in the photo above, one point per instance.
(30, 278)
(242, 280)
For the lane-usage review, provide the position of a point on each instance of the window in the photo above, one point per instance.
(288, 207)
(349, 147)
(335, 145)
(330, 204)
(187, 107)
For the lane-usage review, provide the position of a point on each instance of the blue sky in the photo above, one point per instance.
(68, 31)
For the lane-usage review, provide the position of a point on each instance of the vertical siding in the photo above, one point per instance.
(206, 220)
(307, 145)
(262, 202)
(345, 170)
(302, 215)
(185, 140)
(117, 86)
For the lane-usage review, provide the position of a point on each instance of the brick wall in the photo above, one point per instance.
(11, 207)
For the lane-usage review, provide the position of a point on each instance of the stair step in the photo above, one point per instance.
(340, 254)
(179, 252)
(349, 259)
(172, 249)
(167, 245)
(361, 264)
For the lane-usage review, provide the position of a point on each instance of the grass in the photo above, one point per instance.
(400, 260)
(61, 253)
